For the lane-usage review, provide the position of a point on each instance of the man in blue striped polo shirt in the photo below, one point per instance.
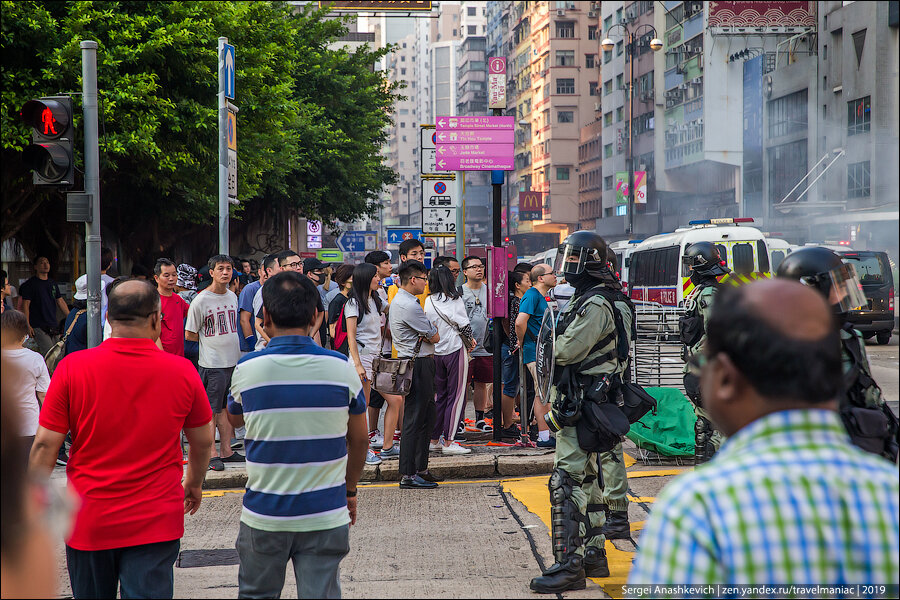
(304, 411)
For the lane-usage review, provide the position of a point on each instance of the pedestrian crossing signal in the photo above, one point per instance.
(51, 154)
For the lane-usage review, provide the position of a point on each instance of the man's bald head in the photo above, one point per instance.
(132, 302)
(781, 336)
(539, 271)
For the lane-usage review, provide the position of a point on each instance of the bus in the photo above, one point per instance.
(655, 272)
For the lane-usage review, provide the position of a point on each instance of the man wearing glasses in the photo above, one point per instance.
(481, 367)
(410, 250)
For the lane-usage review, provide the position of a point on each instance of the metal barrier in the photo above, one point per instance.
(656, 350)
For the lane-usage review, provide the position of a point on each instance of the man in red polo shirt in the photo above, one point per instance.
(125, 462)
(174, 309)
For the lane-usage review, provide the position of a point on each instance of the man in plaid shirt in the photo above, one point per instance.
(788, 499)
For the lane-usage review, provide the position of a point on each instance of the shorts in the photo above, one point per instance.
(481, 369)
(376, 400)
(366, 363)
(510, 376)
(217, 383)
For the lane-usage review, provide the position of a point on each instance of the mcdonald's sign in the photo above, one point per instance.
(531, 206)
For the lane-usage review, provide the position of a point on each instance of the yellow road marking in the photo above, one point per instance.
(661, 473)
(220, 493)
(644, 499)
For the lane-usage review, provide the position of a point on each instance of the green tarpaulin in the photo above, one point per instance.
(670, 431)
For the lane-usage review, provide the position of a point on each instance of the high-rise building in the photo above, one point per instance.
(403, 138)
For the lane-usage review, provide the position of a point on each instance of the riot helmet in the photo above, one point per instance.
(703, 258)
(824, 270)
(577, 250)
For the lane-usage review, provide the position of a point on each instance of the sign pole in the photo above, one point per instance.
(461, 216)
(223, 151)
(496, 188)
(92, 189)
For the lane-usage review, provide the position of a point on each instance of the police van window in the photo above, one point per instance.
(763, 256)
(670, 261)
(742, 256)
(723, 253)
(777, 257)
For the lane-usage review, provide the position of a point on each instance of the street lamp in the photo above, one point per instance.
(607, 44)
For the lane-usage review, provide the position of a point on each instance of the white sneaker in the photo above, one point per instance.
(376, 440)
(372, 458)
(455, 448)
(437, 446)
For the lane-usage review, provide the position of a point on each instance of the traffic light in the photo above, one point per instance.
(50, 154)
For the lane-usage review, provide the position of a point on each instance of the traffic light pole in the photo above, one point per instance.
(222, 104)
(92, 189)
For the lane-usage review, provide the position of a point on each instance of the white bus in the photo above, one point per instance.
(655, 272)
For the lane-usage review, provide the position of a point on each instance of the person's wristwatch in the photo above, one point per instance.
(351, 493)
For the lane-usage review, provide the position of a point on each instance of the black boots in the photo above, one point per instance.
(703, 445)
(595, 564)
(562, 576)
(617, 526)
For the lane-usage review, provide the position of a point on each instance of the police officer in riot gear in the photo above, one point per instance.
(869, 421)
(591, 353)
(705, 264)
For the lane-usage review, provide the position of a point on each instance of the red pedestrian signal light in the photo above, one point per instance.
(50, 155)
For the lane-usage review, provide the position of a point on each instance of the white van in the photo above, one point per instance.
(655, 272)
(623, 250)
(778, 249)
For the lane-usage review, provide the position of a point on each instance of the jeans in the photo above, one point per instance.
(510, 377)
(143, 571)
(316, 556)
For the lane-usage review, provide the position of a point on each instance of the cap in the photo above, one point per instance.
(187, 276)
(311, 264)
(81, 288)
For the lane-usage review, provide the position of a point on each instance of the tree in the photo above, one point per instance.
(311, 121)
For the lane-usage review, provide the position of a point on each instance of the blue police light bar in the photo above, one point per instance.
(726, 221)
(635, 241)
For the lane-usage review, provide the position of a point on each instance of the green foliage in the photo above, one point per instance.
(310, 126)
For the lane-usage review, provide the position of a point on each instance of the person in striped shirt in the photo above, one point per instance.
(787, 499)
(304, 411)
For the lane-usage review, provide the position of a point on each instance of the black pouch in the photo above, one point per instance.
(637, 402)
(600, 427)
(690, 328)
(869, 428)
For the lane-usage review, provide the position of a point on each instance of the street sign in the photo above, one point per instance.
(492, 146)
(313, 234)
(396, 236)
(460, 163)
(531, 206)
(439, 193)
(439, 222)
(232, 175)
(427, 153)
(228, 59)
(447, 123)
(497, 82)
(357, 241)
(231, 131)
(330, 255)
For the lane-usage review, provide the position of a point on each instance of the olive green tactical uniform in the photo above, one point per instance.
(615, 479)
(702, 297)
(574, 346)
(873, 392)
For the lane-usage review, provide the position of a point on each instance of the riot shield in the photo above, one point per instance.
(544, 353)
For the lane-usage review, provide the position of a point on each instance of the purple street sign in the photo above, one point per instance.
(487, 163)
(450, 123)
(475, 150)
(465, 136)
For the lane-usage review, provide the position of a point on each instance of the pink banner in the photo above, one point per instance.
(464, 136)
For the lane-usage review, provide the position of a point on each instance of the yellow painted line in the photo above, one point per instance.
(388, 484)
(644, 499)
(661, 473)
(220, 493)
(629, 460)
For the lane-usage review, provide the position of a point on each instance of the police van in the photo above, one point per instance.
(778, 249)
(655, 271)
(623, 251)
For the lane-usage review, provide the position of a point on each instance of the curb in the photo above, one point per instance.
(477, 466)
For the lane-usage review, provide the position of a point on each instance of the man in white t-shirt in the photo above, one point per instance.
(212, 320)
(30, 378)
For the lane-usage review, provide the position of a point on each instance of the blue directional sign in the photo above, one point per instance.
(357, 241)
(397, 236)
(228, 58)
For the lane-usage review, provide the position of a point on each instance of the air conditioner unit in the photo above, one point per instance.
(700, 121)
(597, 106)
(592, 14)
(700, 62)
(696, 81)
(560, 12)
(682, 86)
(670, 103)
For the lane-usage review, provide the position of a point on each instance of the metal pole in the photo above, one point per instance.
(223, 152)
(92, 189)
(630, 159)
(498, 362)
(461, 219)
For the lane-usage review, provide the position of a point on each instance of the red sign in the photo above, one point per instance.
(531, 206)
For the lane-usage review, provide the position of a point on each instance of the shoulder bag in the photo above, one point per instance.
(58, 351)
(393, 375)
(465, 334)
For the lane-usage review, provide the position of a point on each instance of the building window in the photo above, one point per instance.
(619, 48)
(787, 166)
(619, 16)
(565, 29)
(592, 32)
(608, 182)
(472, 11)
(620, 81)
(607, 87)
(590, 61)
(402, 124)
(620, 114)
(565, 116)
(858, 180)
(607, 151)
(607, 119)
(592, 88)
(565, 86)
(859, 116)
(403, 71)
(607, 23)
(562, 173)
(607, 56)
(565, 58)
(787, 114)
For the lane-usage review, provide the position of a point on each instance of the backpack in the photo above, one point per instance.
(58, 351)
(340, 330)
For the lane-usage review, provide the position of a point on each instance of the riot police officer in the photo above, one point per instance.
(705, 264)
(869, 421)
(594, 332)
